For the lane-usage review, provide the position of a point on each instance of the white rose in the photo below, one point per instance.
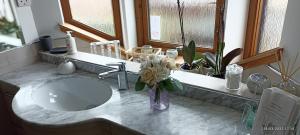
(149, 76)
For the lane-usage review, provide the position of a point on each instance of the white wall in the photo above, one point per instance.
(128, 23)
(25, 20)
(236, 24)
(291, 33)
(6, 10)
(47, 15)
(27, 24)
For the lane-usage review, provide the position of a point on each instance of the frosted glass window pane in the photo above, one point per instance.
(199, 21)
(272, 24)
(97, 14)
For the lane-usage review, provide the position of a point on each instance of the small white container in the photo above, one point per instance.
(66, 67)
(71, 43)
(233, 77)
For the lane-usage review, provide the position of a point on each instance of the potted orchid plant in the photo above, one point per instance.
(192, 60)
(155, 75)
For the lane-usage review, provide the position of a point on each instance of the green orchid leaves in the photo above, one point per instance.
(189, 52)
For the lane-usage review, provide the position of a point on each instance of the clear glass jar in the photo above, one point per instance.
(172, 53)
(147, 49)
(233, 77)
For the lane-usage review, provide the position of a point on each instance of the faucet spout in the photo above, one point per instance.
(108, 74)
(122, 75)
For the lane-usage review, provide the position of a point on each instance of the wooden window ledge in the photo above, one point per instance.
(80, 33)
(264, 58)
(84, 35)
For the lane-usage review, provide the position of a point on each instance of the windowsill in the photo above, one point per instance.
(80, 33)
(265, 58)
(83, 34)
(191, 79)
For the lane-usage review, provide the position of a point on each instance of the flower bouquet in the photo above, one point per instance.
(155, 74)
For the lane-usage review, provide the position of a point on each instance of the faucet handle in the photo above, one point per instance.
(121, 65)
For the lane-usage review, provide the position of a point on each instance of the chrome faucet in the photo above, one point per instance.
(122, 75)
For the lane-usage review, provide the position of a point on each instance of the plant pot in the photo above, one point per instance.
(207, 70)
(221, 76)
(159, 99)
(194, 69)
(197, 71)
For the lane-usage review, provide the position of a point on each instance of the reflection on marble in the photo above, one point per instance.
(186, 116)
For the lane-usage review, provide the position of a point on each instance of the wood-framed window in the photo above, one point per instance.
(100, 18)
(260, 15)
(156, 17)
(158, 23)
(264, 29)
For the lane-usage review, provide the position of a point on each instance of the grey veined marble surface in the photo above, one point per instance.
(186, 116)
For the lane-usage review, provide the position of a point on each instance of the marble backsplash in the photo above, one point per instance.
(210, 96)
(18, 57)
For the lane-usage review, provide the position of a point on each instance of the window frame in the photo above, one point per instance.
(143, 34)
(253, 28)
(251, 57)
(66, 9)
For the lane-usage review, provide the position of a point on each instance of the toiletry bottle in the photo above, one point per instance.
(71, 43)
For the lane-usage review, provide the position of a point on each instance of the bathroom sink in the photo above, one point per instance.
(72, 94)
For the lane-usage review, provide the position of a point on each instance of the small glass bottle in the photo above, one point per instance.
(109, 51)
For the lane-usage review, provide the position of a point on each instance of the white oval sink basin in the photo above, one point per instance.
(72, 94)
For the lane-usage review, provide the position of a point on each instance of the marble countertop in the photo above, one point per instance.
(128, 108)
(191, 79)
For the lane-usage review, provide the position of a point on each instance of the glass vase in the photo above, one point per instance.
(288, 86)
(159, 99)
